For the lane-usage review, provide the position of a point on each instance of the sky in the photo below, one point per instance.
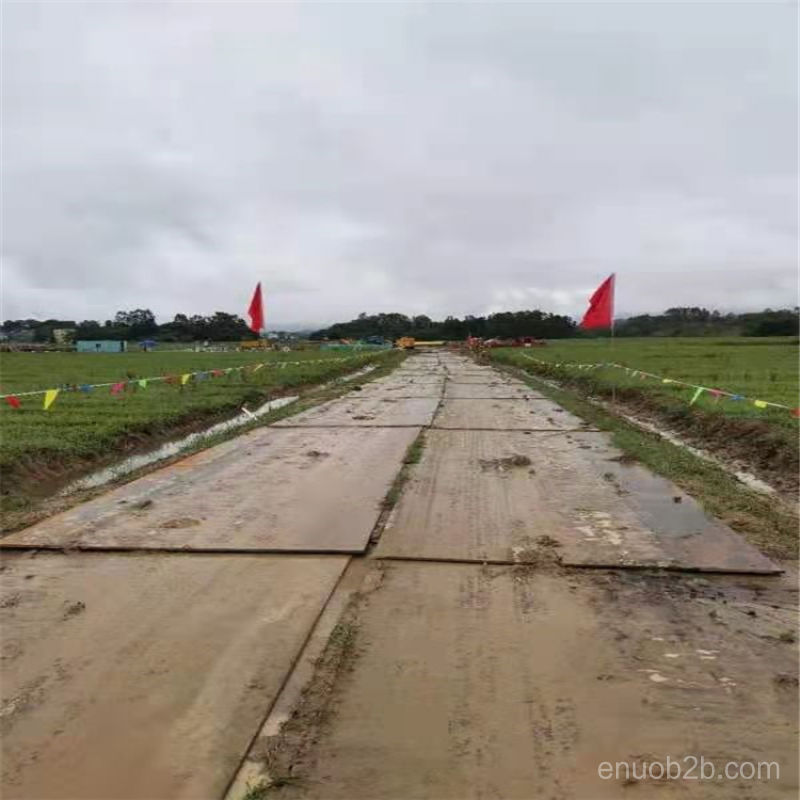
(423, 158)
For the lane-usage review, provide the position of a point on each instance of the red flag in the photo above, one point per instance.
(13, 401)
(256, 311)
(601, 306)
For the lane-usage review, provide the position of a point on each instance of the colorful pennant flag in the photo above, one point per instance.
(185, 378)
(142, 383)
(50, 397)
(13, 401)
(696, 395)
(117, 387)
(760, 404)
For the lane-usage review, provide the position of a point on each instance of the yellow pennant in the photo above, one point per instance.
(667, 380)
(143, 383)
(50, 397)
(185, 378)
(760, 404)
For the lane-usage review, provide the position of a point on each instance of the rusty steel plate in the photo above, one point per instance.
(272, 489)
(511, 497)
(145, 676)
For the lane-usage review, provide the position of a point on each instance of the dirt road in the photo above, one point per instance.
(531, 607)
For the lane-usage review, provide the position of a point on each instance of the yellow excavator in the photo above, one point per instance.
(406, 343)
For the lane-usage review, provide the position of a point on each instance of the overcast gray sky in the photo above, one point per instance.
(439, 159)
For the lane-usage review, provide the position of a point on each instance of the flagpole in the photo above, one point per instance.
(611, 346)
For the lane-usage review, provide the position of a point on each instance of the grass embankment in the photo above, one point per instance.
(40, 449)
(763, 440)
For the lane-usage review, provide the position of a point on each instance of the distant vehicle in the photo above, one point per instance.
(406, 343)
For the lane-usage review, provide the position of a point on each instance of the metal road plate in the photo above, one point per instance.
(367, 410)
(512, 497)
(273, 489)
(490, 682)
(489, 390)
(497, 414)
(145, 676)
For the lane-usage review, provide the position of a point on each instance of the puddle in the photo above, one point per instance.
(103, 476)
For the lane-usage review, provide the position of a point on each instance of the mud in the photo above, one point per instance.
(475, 682)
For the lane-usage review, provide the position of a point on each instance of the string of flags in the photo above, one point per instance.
(181, 379)
(717, 394)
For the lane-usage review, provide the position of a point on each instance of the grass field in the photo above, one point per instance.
(764, 369)
(81, 425)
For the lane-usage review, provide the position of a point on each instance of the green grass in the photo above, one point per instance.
(766, 369)
(81, 425)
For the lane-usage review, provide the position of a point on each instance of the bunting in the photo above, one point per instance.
(50, 397)
(118, 387)
(717, 394)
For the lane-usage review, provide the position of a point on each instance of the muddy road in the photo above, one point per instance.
(528, 606)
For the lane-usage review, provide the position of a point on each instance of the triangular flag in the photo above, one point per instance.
(256, 311)
(696, 395)
(50, 397)
(13, 401)
(796, 412)
(143, 383)
(117, 387)
(601, 307)
(760, 404)
(185, 378)
(667, 380)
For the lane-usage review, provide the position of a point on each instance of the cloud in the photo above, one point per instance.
(439, 159)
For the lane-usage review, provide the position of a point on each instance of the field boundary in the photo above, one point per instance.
(714, 392)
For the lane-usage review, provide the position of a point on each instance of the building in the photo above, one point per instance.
(101, 346)
(63, 335)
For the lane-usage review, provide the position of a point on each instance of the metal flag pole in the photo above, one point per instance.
(611, 345)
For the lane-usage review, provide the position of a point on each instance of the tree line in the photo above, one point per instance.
(507, 324)
(683, 321)
(140, 323)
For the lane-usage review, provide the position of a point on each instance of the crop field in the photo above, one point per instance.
(83, 422)
(756, 369)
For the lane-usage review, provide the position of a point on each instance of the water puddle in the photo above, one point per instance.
(108, 474)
